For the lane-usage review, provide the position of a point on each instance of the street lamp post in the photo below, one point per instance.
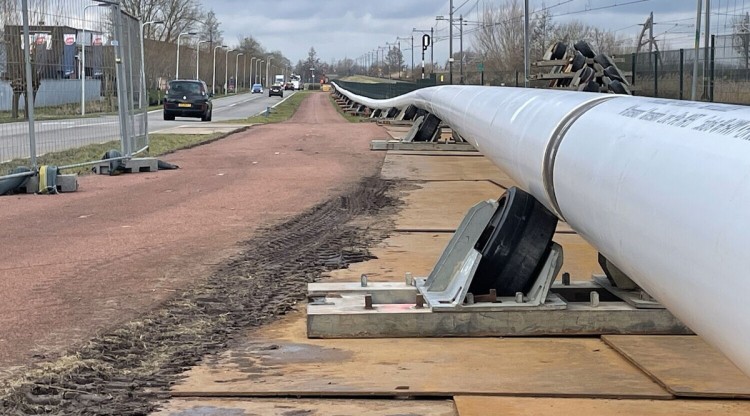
(177, 70)
(226, 71)
(258, 77)
(268, 65)
(197, 58)
(244, 71)
(236, 67)
(252, 70)
(213, 82)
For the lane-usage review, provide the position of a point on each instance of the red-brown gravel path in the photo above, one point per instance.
(74, 264)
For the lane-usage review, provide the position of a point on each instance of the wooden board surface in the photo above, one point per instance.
(400, 253)
(528, 406)
(418, 252)
(442, 205)
(684, 365)
(579, 257)
(280, 360)
(442, 168)
(435, 153)
(304, 407)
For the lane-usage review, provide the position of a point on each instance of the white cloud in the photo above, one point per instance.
(346, 28)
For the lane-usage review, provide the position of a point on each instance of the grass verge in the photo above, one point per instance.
(282, 112)
(160, 144)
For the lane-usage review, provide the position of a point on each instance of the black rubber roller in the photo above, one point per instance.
(428, 129)
(514, 245)
(410, 112)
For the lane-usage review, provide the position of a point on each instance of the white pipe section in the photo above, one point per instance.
(660, 187)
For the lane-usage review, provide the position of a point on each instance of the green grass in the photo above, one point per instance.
(63, 111)
(282, 112)
(160, 144)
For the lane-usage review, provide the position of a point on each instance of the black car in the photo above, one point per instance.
(276, 90)
(188, 98)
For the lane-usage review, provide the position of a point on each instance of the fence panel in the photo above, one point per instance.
(87, 79)
(135, 99)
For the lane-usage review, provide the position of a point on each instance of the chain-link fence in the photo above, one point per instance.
(84, 79)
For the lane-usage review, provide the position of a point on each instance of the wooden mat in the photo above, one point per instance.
(305, 407)
(684, 365)
(280, 360)
(440, 206)
(442, 168)
(528, 406)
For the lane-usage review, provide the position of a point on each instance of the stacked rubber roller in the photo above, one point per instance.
(593, 72)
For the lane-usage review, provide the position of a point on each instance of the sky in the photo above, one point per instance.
(339, 29)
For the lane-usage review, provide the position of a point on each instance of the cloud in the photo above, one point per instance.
(346, 28)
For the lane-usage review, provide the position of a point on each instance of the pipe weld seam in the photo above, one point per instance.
(553, 146)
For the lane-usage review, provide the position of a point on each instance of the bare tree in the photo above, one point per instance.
(250, 46)
(606, 41)
(178, 16)
(571, 32)
(395, 59)
(500, 38)
(741, 37)
(210, 30)
(541, 29)
(146, 10)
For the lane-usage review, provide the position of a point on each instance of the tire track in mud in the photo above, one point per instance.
(129, 370)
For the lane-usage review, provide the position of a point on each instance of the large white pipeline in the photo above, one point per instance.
(660, 187)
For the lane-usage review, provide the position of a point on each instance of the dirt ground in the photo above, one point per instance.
(85, 276)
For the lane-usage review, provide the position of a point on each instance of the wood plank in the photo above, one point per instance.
(444, 168)
(579, 257)
(304, 407)
(526, 406)
(417, 253)
(441, 205)
(398, 254)
(684, 365)
(280, 360)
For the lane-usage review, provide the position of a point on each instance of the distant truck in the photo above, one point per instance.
(278, 80)
(296, 81)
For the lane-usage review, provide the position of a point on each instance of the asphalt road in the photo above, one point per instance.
(57, 135)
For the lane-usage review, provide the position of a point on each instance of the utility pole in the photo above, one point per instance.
(694, 86)
(400, 56)
(526, 43)
(461, 42)
(651, 34)
(706, 47)
(450, 45)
